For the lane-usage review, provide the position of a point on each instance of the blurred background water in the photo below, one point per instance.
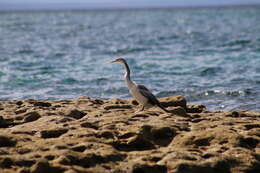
(209, 55)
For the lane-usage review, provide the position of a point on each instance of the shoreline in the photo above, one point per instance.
(86, 134)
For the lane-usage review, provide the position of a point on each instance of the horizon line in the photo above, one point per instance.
(76, 7)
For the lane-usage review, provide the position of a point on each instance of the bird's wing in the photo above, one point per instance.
(146, 93)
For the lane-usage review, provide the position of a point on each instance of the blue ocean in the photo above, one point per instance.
(209, 55)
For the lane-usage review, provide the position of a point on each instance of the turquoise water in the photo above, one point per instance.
(209, 55)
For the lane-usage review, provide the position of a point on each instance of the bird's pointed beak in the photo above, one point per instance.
(113, 61)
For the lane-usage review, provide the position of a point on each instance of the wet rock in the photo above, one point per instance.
(53, 133)
(173, 101)
(76, 114)
(31, 116)
(195, 108)
(178, 111)
(7, 141)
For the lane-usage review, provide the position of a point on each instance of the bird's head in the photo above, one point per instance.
(118, 60)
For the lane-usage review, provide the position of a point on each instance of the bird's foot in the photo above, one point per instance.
(138, 111)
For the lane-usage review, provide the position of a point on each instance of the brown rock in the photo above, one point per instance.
(117, 140)
(3, 122)
(145, 168)
(19, 103)
(42, 104)
(173, 101)
(31, 116)
(53, 133)
(74, 113)
(20, 111)
(136, 143)
(158, 135)
(7, 141)
(178, 111)
(117, 106)
(90, 125)
(43, 166)
(118, 101)
(6, 162)
(195, 108)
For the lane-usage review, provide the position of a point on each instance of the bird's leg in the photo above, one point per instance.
(140, 110)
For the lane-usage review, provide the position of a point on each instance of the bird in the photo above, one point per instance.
(142, 95)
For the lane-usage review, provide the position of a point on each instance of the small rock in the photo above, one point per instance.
(90, 125)
(76, 114)
(106, 134)
(6, 141)
(178, 111)
(31, 116)
(195, 108)
(42, 104)
(19, 103)
(53, 133)
(20, 111)
(173, 101)
(50, 157)
(79, 148)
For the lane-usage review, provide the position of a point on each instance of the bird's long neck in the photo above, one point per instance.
(127, 72)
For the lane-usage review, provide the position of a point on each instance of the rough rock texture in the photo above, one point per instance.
(91, 135)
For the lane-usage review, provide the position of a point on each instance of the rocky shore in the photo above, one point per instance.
(92, 135)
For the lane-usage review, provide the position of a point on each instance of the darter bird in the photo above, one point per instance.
(139, 92)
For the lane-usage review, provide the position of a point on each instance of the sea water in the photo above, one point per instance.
(209, 55)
